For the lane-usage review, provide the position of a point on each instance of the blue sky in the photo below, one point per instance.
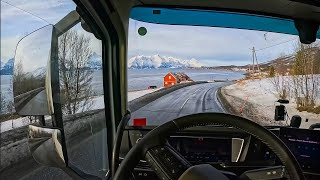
(16, 23)
(211, 46)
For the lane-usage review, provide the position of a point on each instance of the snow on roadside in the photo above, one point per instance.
(261, 93)
(16, 123)
(97, 103)
(135, 94)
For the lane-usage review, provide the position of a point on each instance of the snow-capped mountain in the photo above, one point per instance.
(95, 61)
(7, 68)
(38, 73)
(2, 63)
(157, 61)
(136, 62)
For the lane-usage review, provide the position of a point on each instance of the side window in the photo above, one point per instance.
(82, 100)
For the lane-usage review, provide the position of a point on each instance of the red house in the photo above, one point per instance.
(174, 78)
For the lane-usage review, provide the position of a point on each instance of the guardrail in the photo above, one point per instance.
(138, 103)
(21, 100)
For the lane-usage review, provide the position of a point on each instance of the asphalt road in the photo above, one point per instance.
(38, 104)
(189, 100)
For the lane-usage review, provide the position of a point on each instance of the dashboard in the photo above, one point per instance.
(231, 149)
(203, 149)
(305, 146)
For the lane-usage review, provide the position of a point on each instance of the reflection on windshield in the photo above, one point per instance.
(179, 70)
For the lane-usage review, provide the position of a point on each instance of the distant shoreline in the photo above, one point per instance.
(234, 69)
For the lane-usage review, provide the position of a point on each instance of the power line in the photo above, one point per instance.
(25, 11)
(276, 44)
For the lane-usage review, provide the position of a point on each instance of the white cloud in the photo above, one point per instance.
(33, 51)
(49, 10)
(8, 46)
(16, 23)
(95, 44)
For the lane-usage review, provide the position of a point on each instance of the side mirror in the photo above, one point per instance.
(30, 76)
(280, 113)
(45, 146)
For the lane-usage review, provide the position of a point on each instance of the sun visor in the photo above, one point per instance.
(216, 19)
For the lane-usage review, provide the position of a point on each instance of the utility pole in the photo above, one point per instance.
(254, 59)
(255, 55)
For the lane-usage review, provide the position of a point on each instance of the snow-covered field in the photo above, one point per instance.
(6, 91)
(262, 94)
(16, 123)
(97, 103)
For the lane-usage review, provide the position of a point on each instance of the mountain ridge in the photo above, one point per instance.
(281, 64)
(7, 68)
(94, 62)
(159, 62)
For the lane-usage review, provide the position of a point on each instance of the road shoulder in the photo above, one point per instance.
(242, 107)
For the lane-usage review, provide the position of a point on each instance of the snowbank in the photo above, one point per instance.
(262, 95)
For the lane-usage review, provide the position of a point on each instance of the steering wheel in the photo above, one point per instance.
(169, 164)
(315, 126)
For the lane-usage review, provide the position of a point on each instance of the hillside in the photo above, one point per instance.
(281, 64)
(7, 68)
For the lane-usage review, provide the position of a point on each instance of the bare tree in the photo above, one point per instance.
(281, 86)
(271, 71)
(24, 82)
(304, 78)
(18, 77)
(75, 76)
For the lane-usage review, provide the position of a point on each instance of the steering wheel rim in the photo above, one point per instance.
(161, 133)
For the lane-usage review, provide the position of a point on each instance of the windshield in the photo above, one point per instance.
(176, 70)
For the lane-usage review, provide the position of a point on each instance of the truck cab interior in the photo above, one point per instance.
(194, 145)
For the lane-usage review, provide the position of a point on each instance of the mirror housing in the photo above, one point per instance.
(45, 146)
(30, 76)
(35, 95)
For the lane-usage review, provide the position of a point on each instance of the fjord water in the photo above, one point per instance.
(139, 79)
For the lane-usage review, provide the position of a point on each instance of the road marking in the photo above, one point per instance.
(185, 102)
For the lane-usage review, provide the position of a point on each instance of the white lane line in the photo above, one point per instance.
(185, 102)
